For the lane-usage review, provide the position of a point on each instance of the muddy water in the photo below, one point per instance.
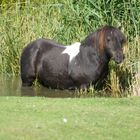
(11, 86)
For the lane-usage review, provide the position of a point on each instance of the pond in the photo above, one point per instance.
(11, 86)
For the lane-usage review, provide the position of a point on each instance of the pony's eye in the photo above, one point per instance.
(122, 40)
(108, 38)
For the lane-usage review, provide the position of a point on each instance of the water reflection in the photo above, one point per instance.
(11, 86)
(42, 91)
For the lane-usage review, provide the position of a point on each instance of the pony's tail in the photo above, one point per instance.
(28, 63)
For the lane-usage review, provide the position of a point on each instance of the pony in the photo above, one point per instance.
(75, 66)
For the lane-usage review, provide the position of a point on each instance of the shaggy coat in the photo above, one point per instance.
(74, 66)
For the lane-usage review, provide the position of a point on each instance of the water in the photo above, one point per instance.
(11, 86)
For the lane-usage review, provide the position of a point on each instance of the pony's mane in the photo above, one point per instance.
(97, 38)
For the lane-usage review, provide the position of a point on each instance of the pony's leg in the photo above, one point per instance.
(28, 76)
(84, 86)
(28, 80)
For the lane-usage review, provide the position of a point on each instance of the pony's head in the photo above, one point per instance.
(108, 41)
(111, 40)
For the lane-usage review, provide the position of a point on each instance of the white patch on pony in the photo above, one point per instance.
(72, 50)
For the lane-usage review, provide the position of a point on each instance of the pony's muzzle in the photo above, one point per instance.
(118, 58)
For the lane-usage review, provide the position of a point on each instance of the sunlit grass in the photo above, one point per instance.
(69, 119)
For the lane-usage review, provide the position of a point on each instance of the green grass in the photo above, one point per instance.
(28, 118)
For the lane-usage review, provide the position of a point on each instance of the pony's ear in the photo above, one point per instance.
(120, 27)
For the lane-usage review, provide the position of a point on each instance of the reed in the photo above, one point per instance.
(67, 21)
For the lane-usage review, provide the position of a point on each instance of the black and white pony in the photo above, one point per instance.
(73, 66)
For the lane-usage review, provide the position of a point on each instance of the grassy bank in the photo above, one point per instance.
(67, 21)
(60, 119)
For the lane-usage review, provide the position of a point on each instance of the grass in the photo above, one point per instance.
(24, 118)
(67, 21)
